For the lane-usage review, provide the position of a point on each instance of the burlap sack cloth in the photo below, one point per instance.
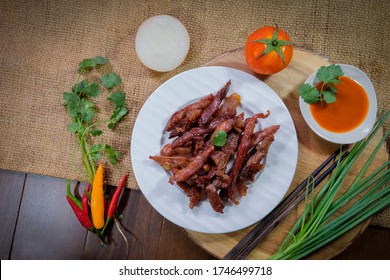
(42, 42)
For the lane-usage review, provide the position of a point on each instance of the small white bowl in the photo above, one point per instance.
(359, 132)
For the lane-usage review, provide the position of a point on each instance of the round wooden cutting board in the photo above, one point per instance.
(312, 151)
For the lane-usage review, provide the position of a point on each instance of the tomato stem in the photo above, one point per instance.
(273, 44)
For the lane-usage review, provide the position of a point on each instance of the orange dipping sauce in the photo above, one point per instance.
(349, 110)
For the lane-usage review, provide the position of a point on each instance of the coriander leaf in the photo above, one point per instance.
(78, 88)
(112, 154)
(100, 60)
(111, 80)
(330, 88)
(74, 126)
(89, 63)
(92, 90)
(86, 110)
(328, 76)
(96, 151)
(328, 73)
(333, 82)
(309, 93)
(96, 132)
(86, 64)
(72, 103)
(329, 96)
(219, 139)
(118, 98)
(117, 115)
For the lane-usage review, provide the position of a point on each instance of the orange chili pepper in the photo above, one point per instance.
(97, 199)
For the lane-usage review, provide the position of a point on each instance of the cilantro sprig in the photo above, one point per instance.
(81, 107)
(118, 98)
(219, 139)
(111, 80)
(89, 63)
(327, 76)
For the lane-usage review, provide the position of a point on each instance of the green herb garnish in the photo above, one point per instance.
(112, 154)
(328, 76)
(219, 139)
(111, 80)
(81, 108)
(118, 98)
(89, 63)
(368, 194)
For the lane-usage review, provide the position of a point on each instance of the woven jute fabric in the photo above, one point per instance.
(42, 42)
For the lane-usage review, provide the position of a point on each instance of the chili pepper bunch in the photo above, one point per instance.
(96, 210)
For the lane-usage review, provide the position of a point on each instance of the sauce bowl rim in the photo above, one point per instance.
(360, 131)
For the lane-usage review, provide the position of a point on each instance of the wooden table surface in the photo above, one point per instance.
(37, 223)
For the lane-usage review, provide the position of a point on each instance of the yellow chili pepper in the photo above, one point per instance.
(97, 199)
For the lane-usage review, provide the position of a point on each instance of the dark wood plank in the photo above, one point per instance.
(44, 227)
(176, 245)
(373, 244)
(47, 227)
(139, 219)
(11, 189)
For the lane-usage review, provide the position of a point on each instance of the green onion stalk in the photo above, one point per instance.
(318, 225)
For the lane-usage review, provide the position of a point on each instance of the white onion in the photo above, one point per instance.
(162, 43)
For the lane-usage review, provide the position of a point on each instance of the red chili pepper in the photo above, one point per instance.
(115, 198)
(83, 219)
(114, 203)
(84, 201)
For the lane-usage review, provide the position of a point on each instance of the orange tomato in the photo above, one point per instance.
(268, 50)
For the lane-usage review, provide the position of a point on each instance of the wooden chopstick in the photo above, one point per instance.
(267, 219)
(269, 222)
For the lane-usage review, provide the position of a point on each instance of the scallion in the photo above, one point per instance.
(318, 225)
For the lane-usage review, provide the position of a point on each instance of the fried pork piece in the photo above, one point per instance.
(239, 125)
(213, 196)
(184, 150)
(168, 150)
(229, 108)
(214, 105)
(243, 148)
(259, 136)
(193, 133)
(221, 160)
(171, 163)
(182, 119)
(231, 144)
(195, 164)
(222, 157)
(199, 144)
(226, 126)
(195, 194)
(253, 165)
(202, 180)
(199, 160)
